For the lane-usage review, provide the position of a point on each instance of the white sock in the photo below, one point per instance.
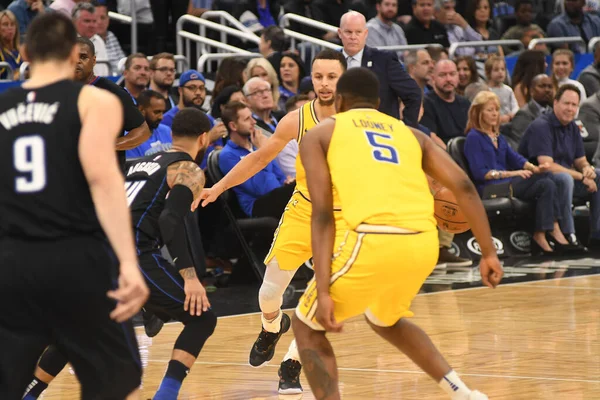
(456, 389)
(292, 352)
(273, 325)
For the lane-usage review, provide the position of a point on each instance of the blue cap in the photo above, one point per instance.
(190, 75)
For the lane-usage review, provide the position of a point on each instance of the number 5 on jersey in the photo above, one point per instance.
(381, 151)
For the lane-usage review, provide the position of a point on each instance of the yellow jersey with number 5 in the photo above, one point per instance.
(375, 163)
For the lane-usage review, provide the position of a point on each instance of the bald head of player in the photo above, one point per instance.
(357, 88)
(327, 67)
(189, 132)
(51, 39)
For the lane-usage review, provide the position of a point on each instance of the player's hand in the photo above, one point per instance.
(589, 172)
(324, 314)
(207, 196)
(491, 271)
(196, 301)
(38, 6)
(131, 294)
(257, 138)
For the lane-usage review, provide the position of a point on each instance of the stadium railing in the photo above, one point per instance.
(592, 43)
(303, 43)
(204, 58)
(406, 47)
(286, 18)
(132, 21)
(556, 40)
(483, 43)
(10, 74)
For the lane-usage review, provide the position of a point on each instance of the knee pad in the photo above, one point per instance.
(195, 333)
(276, 280)
(52, 361)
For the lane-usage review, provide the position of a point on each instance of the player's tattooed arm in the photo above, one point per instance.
(321, 383)
(188, 273)
(186, 173)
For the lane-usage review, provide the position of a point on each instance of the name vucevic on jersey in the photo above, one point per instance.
(24, 113)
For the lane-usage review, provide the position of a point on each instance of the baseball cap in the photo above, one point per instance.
(190, 75)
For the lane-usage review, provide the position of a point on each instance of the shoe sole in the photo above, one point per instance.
(282, 332)
(290, 391)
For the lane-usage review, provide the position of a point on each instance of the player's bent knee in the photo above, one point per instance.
(195, 333)
(270, 296)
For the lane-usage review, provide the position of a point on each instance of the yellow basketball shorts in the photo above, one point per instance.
(376, 274)
(291, 242)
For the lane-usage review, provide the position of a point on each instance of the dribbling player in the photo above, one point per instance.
(291, 244)
(66, 241)
(376, 263)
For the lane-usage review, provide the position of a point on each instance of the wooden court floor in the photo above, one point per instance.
(534, 340)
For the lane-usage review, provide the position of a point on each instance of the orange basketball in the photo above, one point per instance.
(447, 213)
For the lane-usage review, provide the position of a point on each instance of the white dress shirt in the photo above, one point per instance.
(100, 69)
(355, 60)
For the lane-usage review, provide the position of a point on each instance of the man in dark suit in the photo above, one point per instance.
(542, 95)
(394, 81)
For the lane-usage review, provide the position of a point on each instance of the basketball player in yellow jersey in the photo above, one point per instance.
(376, 263)
(291, 244)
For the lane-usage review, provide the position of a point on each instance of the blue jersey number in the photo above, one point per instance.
(381, 151)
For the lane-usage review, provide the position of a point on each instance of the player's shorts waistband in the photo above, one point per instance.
(307, 199)
(367, 228)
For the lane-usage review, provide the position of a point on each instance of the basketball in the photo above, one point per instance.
(448, 215)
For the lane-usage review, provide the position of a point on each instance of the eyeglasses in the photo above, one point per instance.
(166, 69)
(194, 88)
(259, 92)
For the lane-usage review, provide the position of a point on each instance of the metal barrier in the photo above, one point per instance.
(592, 43)
(202, 41)
(204, 58)
(314, 44)
(484, 43)
(179, 59)
(285, 18)
(10, 74)
(225, 17)
(130, 20)
(403, 47)
(22, 70)
(557, 40)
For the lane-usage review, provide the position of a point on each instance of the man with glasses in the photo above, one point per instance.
(192, 92)
(162, 76)
(260, 97)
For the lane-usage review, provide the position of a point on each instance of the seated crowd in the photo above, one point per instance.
(524, 130)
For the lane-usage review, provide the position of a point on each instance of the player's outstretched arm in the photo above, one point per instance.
(287, 129)
(439, 165)
(313, 151)
(107, 187)
(186, 180)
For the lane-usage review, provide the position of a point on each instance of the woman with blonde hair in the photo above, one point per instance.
(496, 167)
(262, 68)
(9, 44)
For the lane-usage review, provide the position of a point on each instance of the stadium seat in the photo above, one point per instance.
(242, 226)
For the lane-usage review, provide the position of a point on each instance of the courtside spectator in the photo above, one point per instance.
(563, 64)
(261, 68)
(530, 64)
(65, 6)
(84, 18)
(446, 112)
(230, 72)
(394, 81)
(589, 114)
(456, 26)
(152, 106)
(467, 73)
(542, 96)
(495, 72)
(524, 15)
(25, 11)
(575, 22)
(9, 45)
(383, 31)
(136, 74)
(295, 102)
(272, 44)
(114, 52)
(308, 9)
(291, 72)
(590, 76)
(478, 14)
(229, 94)
(267, 193)
(555, 138)
(162, 76)
(257, 15)
(423, 28)
(420, 67)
